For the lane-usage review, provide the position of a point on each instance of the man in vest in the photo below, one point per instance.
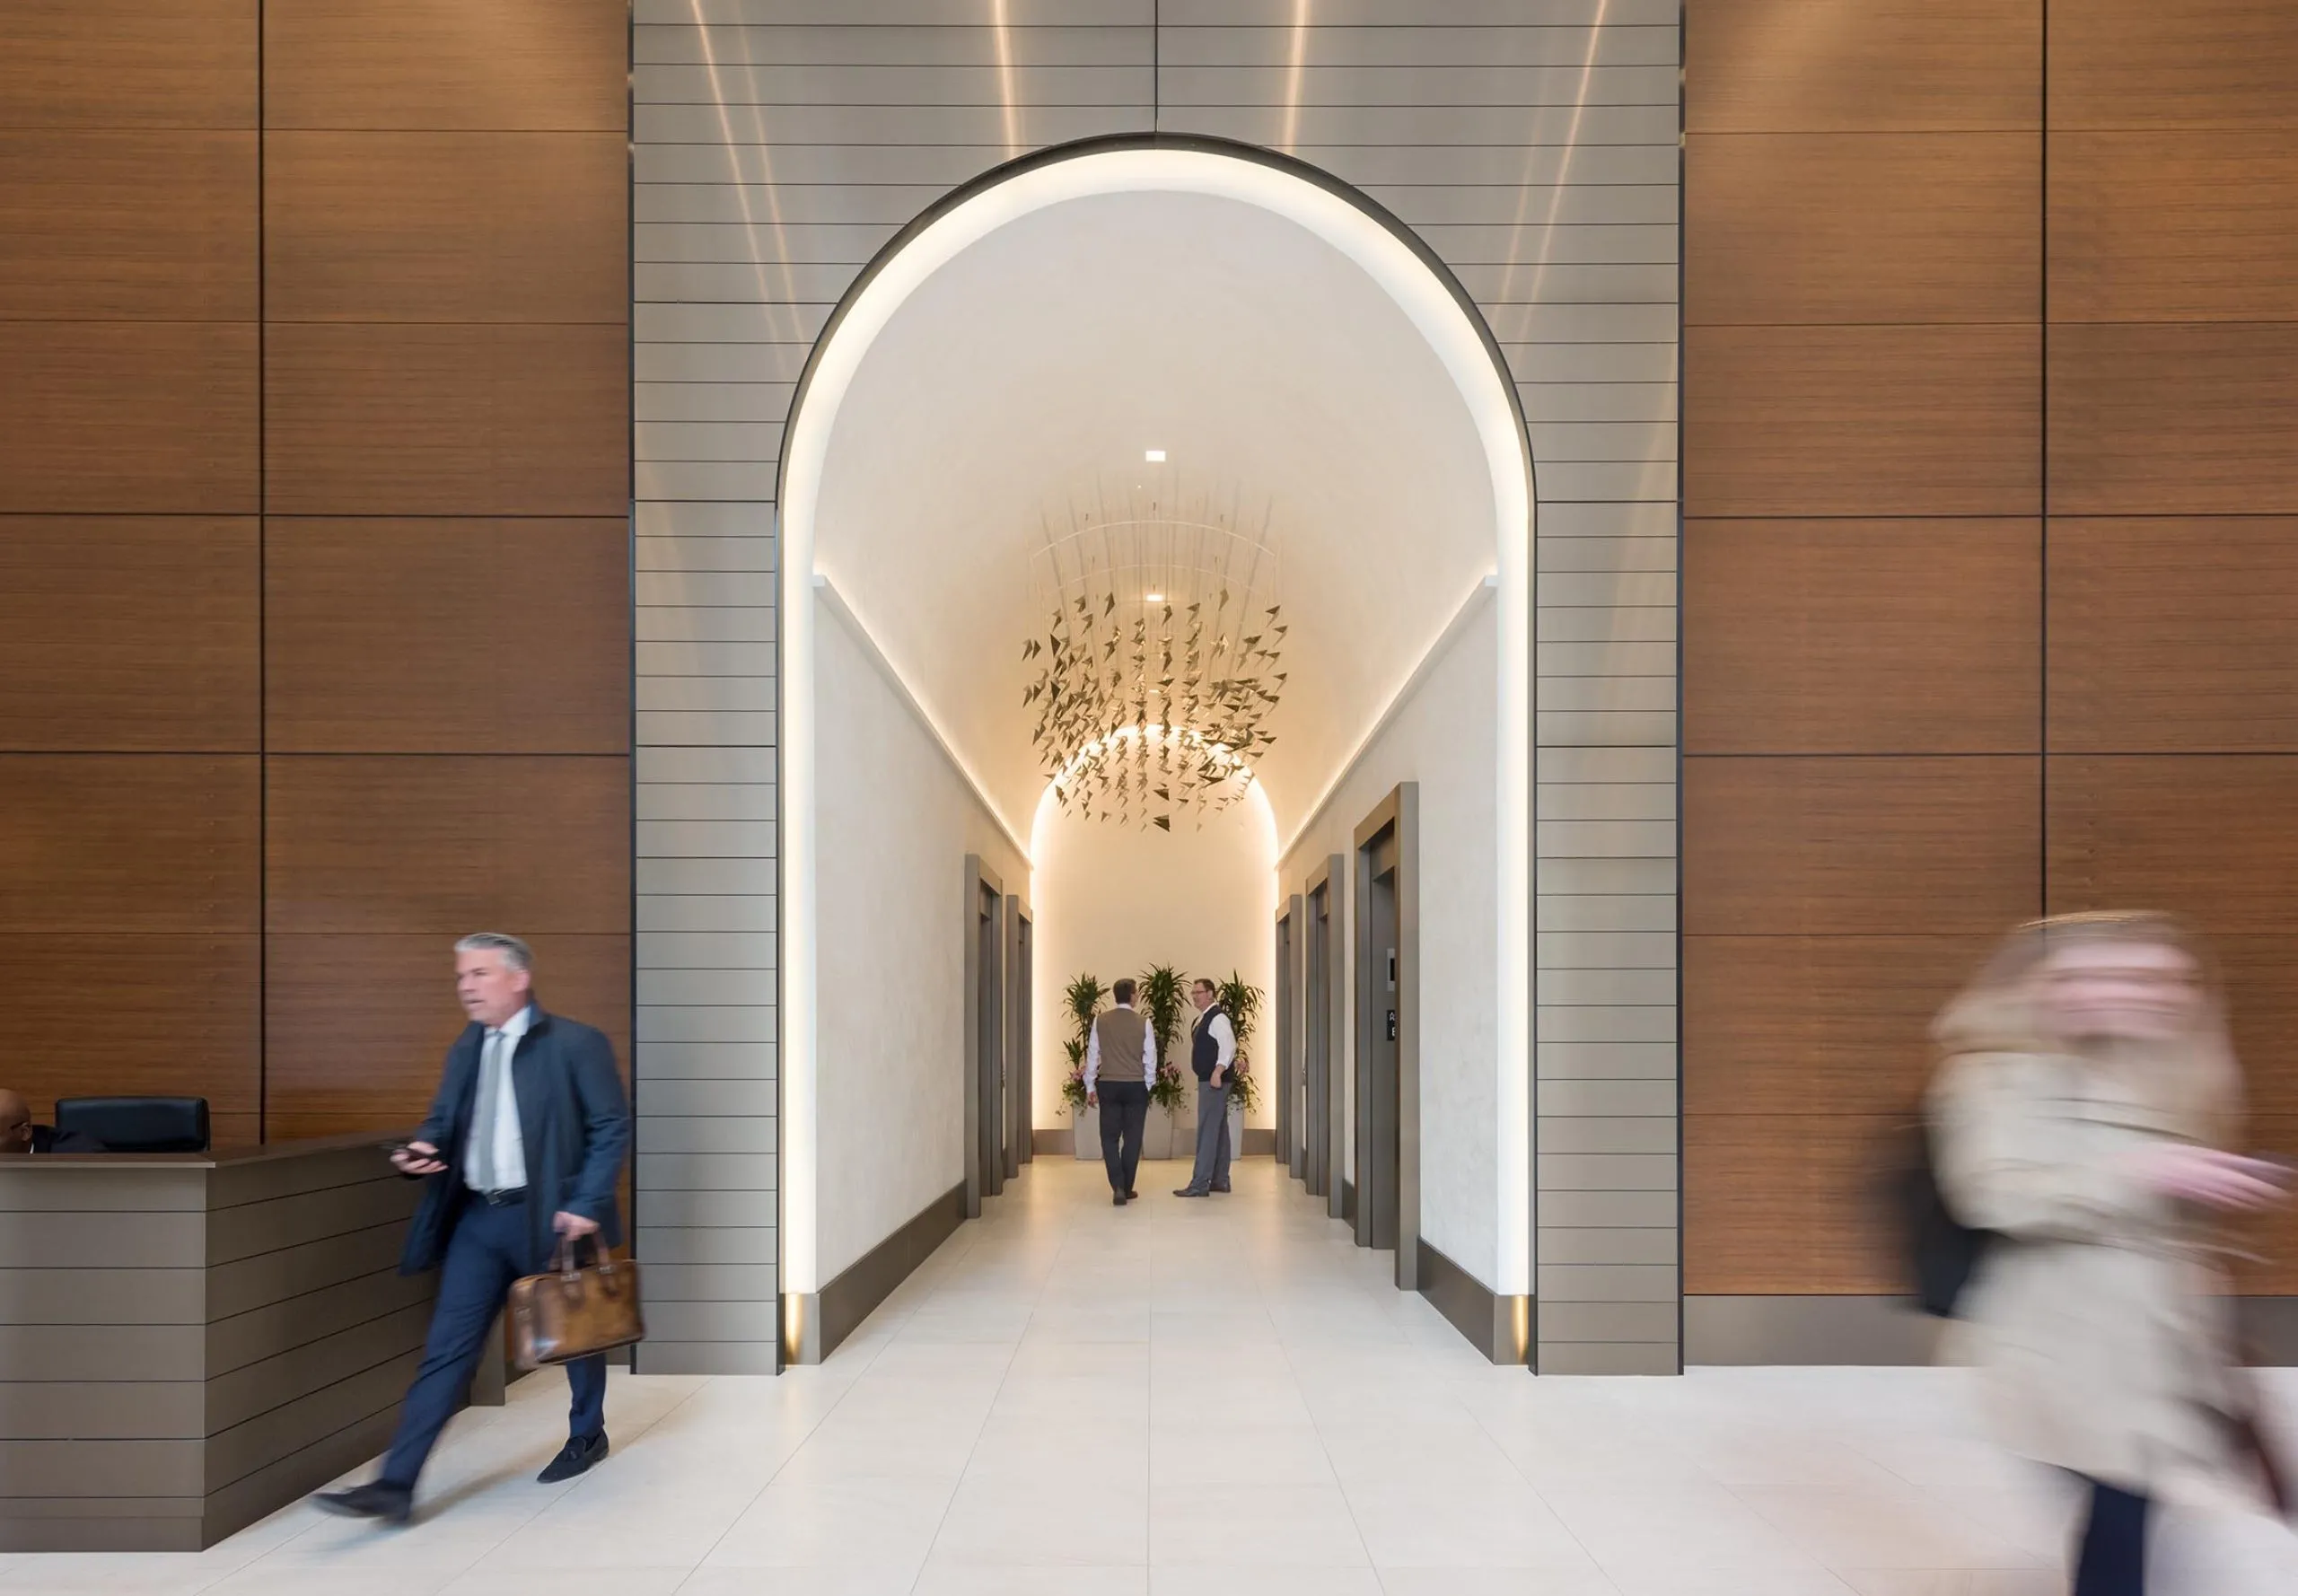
(1121, 1036)
(1212, 1049)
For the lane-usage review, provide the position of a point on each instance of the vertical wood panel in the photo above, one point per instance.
(436, 64)
(127, 64)
(1861, 421)
(2189, 419)
(2174, 226)
(2134, 63)
(2171, 635)
(127, 843)
(134, 1013)
(158, 227)
(1845, 228)
(1873, 846)
(444, 227)
(1861, 636)
(1861, 65)
(527, 844)
(380, 641)
(528, 420)
(120, 633)
(129, 418)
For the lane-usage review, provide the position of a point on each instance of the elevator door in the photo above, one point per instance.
(989, 1050)
(1020, 1119)
(1289, 1093)
(1378, 1021)
(1316, 1050)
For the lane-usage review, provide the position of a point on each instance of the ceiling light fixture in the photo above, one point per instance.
(1155, 457)
(1208, 654)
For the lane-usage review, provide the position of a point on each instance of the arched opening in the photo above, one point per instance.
(1025, 350)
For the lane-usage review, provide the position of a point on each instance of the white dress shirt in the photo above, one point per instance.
(1093, 1055)
(510, 1149)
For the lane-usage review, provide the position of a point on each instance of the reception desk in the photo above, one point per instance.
(188, 1342)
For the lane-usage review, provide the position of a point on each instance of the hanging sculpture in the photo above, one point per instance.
(1158, 664)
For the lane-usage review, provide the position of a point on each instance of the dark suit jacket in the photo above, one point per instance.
(47, 1138)
(573, 1119)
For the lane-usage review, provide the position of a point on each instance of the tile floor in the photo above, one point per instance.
(1205, 1398)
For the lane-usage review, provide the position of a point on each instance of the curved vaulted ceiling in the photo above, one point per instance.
(1042, 361)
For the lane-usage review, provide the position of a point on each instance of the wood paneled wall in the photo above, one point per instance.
(1990, 601)
(314, 590)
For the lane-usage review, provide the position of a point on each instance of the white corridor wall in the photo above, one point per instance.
(1442, 734)
(897, 820)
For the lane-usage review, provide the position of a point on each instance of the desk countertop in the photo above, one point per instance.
(219, 1158)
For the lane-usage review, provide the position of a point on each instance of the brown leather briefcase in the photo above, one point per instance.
(573, 1311)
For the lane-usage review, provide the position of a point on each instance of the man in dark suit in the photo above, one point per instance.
(524, 1145)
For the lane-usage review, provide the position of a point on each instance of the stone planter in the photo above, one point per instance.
(1159, 1136)
(1088, 1124)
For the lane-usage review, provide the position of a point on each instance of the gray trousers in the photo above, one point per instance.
(1210, 1171)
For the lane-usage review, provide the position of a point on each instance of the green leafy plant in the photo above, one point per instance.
(1242, 1002)
(1073, 1087)
(1163, 995)
(1083, 998)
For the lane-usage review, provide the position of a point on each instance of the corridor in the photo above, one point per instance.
(1204, 1397)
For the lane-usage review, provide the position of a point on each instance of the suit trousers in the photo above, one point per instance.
(1125, 1116)
(486, 1252)
(1210, 1172)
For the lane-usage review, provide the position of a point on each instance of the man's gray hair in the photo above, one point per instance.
(515, 953)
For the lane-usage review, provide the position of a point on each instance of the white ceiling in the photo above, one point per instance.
(1045, 358)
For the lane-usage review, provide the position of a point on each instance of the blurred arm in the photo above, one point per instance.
(2011, 1159)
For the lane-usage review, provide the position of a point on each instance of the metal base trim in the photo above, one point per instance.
(826, 1317)
(1498, 1327)
(1887, 1332)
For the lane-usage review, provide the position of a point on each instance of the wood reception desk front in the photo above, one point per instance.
(189, 1342)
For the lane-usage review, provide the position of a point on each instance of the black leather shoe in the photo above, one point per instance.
(387, 1503)
(1117, 1199)
(1185, 1191)
(576, 1457)
(1132, 1196)
(1220, 1188)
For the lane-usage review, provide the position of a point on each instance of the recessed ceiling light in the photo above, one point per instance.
(1155, 457)
(1153, 598)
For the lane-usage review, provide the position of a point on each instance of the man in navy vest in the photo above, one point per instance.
(1212, 1049)
(524, 1145)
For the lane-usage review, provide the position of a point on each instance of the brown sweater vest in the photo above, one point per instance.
(1121, 1032)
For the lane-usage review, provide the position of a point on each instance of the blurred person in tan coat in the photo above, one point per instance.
(2084, 1110)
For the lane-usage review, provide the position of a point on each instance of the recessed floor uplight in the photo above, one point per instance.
(1155, 457)
(1153, 598)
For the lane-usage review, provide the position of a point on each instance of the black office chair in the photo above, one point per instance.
(136, 1124)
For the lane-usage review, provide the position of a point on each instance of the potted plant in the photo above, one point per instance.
(1082, 999)
(1082, 1115)
(1163, 997)
(1241, 1001)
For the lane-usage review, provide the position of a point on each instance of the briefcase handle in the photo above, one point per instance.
(566, 1259)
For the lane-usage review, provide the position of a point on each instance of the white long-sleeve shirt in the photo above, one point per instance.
(1148, 1056)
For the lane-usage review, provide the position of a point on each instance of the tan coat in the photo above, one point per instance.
(2101, 1326)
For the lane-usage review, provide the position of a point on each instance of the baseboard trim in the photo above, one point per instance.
(1063, 1139)
(1498, 1327)
(826, 1317)
(1259, 1144)
(1886, 1332)
(1877, 1331)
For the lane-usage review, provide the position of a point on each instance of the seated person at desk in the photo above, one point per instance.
(18, 1133)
